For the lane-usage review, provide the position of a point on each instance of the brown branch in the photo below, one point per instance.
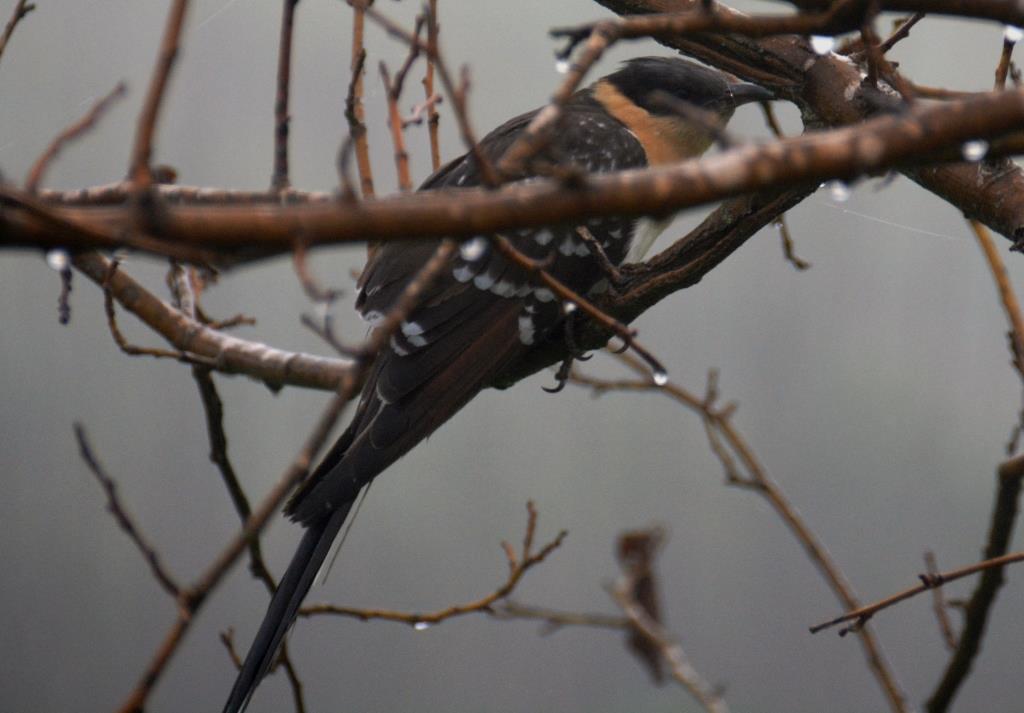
(21, 9)
(554, 619)
(1004, 514)
(901, 32)
(828, 91)
(213, 408)
(310, 285)
(519, 563)
(124, 520)
(230, 354)
(433, 118)
(355, 114)
(743, 469)
(928, 581)
(457, 93)
(279, 179)
(788, 250)
(679, 664)
(874, 146)
(995, 10)
(1010, 306)
(139, 170)
(76, 130)
(120, 191)
(939, 605)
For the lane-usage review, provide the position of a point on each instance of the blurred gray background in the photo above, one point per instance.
(875, 387)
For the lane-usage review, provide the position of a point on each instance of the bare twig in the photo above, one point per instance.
(939, 605)
(139, 171)
(928, 581)
(518, 564)
(743, 469)
(1004, 514)
(124, 520)
(901, 32)
(787, 244)
(23, 8)
(553, 619)
(76, 130)
(355, 114)
(1006, 296)
(228, 353)
(679, 664)
(279, 179)
(433, 118)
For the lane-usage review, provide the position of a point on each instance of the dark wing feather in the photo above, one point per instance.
(476, 318)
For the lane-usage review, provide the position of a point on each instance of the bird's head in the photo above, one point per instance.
(673, 105)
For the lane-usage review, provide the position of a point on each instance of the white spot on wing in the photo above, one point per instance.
(463, 273)
(473, 250)
(374, 317)
(410, 329)
(484, 281)
(504, 288)
(397, 349)
(543, 294)
(526, 329)
(543, 237)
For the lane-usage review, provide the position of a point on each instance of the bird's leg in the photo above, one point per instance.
(575, 354)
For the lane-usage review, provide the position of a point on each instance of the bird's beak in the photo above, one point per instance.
(745, 93)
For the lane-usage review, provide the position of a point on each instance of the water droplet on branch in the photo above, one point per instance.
(57, 259)
(822, 44)
(974, 150)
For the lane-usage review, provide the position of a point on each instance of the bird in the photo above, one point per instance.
(482, 313)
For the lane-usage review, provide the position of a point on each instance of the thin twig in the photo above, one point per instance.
(939, 605)
(139, 170)
(744, 469)
(1004, 515)
(433, 118)
(279, 179)
(554, 620)
(23, 8)
(928, 581)
(355, 113)
(788, 249)
(679, 664)
(519, 563)
(124, 520)
(1003, 68)
(76, 130)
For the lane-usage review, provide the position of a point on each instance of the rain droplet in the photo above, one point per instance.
(660, 377)
(562, 66)
(421, 626)
(57, 259)
(473, 250)
(838, 191)
(974, 150)
(822, 44)
(1013, 34)
(569, 307)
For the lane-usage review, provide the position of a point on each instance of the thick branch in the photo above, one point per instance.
(873, 146)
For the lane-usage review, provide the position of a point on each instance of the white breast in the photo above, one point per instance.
(646, 232)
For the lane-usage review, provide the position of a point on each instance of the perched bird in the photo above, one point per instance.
(483, 313)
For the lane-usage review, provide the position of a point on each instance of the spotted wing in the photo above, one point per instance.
(477, 317)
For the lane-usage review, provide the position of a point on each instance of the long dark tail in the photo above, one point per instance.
(305, 564)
